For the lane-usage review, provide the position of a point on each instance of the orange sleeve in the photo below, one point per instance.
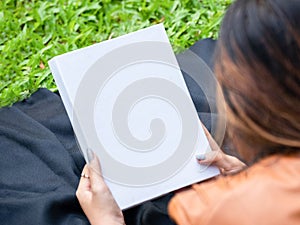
(177, 207)
(199, 203)
(267, 193)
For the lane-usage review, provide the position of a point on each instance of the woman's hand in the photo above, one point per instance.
(95, 198)
(227, 164)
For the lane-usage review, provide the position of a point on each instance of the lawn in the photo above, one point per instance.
(33, 31)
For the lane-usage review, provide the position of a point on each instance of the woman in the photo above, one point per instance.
(258, 68)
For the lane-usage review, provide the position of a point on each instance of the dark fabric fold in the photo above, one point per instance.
(40, 163)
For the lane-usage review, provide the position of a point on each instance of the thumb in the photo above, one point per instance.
(213, 158)
(95, 163)
(213, 144)
(96, 178)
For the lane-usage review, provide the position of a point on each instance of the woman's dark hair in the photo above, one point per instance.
(258, 68)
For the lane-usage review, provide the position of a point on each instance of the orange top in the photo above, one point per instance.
(266, 193)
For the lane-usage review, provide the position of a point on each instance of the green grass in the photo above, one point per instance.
(33, 31)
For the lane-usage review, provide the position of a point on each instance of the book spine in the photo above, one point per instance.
(55, 69)
(79, 135)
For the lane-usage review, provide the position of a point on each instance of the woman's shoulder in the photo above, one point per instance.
(269, 187)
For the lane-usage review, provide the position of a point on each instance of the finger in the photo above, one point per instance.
(95, 168)
(96, 178)
(212, 158)
(200, 157)
(84, 183)
(95, 164)
(231, 172)
(205, 130)
(213, 144)
(208, 158)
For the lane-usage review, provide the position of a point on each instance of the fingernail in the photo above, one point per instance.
(90, 154)
(200, 156)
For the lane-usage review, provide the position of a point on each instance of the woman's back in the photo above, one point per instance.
(267, 193)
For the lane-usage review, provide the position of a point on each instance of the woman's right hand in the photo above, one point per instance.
(95, 198)
(227, 164)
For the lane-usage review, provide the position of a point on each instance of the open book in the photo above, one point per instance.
(127, 101)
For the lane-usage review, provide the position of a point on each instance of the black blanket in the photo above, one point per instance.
(40, 163)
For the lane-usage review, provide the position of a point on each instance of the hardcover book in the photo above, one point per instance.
(127, 101)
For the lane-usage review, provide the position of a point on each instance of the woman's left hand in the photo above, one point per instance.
(95, 198)
(227, 164)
